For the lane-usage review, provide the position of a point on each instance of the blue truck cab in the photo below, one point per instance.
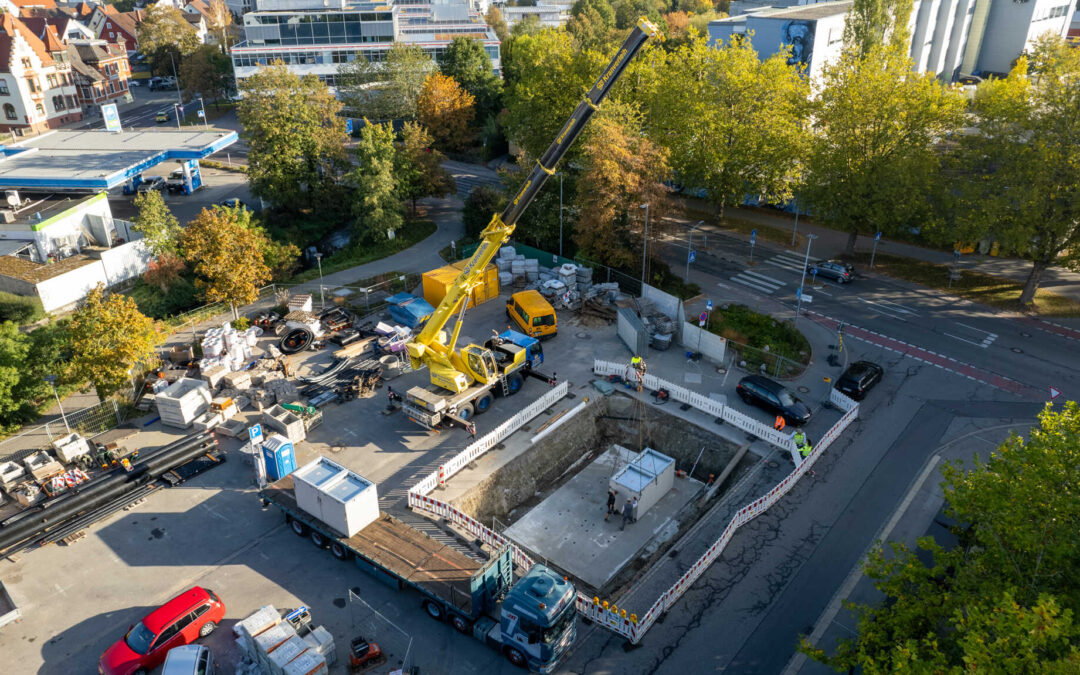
(512, 340)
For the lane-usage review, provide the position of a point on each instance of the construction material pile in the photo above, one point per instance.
(289, 645)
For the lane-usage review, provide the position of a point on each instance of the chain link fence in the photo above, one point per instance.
(754, 360)
(87, 422)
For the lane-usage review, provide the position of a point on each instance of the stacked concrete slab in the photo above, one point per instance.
(273, 647)
(183, 402)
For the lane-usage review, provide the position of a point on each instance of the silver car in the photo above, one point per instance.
(188, 660)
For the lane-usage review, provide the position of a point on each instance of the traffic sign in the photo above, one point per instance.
(798, 293)
(708, 305)
(1054, 393)
(348, 126)
(693, 256)
(807, 297)
(877, 237)
(201, 112)
(813, 271)
(703, 317)
(255, 433)
(753, 236)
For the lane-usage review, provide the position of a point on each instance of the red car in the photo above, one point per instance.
(192, 614)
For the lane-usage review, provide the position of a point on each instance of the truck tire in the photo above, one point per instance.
(514, 383)
(434, 610)
(339, 551)
(460, 624)
(483, 404)
(318, 539)
(466, 411)
(298, 528)
(515, 657)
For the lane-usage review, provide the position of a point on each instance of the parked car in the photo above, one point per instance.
(193, 614)
(772, 396)
(189, 660)
(840, 272)
(155, 83)
(175, 182)
(163, 116)
(151, 183)
(859, 378)
(134, 83)
(234, 203)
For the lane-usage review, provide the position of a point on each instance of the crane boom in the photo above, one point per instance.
(426, 348)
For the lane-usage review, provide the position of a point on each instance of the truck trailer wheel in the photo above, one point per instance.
(460, 624)
(515, 657)
(318, 539)
(434, 610)
(339, 551)
(466, 411)
(298, 528)
(483, 404)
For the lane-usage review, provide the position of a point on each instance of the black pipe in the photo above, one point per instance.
(110, 487)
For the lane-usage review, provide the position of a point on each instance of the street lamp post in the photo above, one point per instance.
(560, 214)
(176, 111)
(690, 249)
(176, 79)
(322, 297)
(202, 106)
(806, 263)
(51, 379)
(644, 247)
(795, 230)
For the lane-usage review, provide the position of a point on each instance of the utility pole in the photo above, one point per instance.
(322, 297)
(690, 249)
(806, 263)
(51, 379)
(644, 247)
(560, 214)
(795, 231)
(202, 106)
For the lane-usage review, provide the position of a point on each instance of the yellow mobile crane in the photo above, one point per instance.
(471, 374)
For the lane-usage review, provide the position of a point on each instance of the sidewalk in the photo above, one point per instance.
(830, 243)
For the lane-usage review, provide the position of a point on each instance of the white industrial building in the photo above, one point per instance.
(951, 38)
(317, 36)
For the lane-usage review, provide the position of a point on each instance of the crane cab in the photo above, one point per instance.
(480, 363)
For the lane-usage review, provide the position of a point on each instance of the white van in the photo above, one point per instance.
(188, 660)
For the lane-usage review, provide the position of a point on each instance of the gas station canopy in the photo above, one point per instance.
(92, 161)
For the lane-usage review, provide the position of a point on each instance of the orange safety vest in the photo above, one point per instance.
(779, 423)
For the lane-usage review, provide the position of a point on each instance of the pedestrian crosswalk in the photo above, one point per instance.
(787, 261)
(759, 282)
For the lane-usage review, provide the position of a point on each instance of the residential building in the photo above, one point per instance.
(112, 25)
(65, 27)
(37, 86)
(198, 23)
(317, 36)
(200, 9)
(950, 38)
(101, 73)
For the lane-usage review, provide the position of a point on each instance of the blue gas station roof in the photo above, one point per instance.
(91, 161)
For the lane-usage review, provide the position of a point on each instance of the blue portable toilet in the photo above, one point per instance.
(278, 457)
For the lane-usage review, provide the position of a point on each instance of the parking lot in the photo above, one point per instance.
(211, 531)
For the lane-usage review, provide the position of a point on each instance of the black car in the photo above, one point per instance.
(234, 203)
(774, 397)
(859, 378)
(840, 272)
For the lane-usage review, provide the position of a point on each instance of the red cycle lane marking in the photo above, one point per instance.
(1052, 328)
(925, 355)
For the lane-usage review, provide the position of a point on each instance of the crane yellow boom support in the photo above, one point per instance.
(426, 348)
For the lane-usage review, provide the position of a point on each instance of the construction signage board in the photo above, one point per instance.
(111, 116)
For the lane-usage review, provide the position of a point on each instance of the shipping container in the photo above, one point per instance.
(437, 281)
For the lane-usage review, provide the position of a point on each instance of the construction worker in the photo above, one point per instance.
(799, 438)
(805, 449)
(638, 363)
(779, 424)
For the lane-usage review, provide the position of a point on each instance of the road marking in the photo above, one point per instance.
(757, 281)
(957, 337)
(787, 262)
(883, 310)
(762, 277)
(987, 341)
(898, 307)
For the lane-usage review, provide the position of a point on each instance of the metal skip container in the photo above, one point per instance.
(344, 500)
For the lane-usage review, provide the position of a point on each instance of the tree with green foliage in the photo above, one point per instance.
(872, 24)
(155, 221)
(166, 37)
(1004, 600)
(377, 204)
(874, 162)
(206, 72)
(482, 203)
(418, 167)
(296, 138)
(108, 337)
(621, 170)
(592, 24)
(494, 18)
(1022, 170)
(701, 100)
(385, 90)
(226, 253)
(547, 79)
(466, 60)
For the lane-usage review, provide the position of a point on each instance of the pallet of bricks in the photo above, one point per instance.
(273, 646)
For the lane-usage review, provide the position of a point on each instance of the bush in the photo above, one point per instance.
(158, 304)
(743, 325)
(243, 323)
(481, 203)
(19, 309)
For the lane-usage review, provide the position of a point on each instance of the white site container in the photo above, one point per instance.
(648, 478)
(345, 501)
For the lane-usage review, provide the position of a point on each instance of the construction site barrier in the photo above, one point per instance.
(470, 525)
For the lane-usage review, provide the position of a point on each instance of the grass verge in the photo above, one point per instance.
(412, 233)
(222, 166)
(19, 309)
(761, 339)
(975, 286)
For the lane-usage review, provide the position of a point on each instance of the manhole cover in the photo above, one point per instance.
(582, 335)
(336, 448)
(1017, 350)
(1023, 334)
(803, 389)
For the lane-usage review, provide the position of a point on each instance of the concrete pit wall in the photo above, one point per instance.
(617, 419)
(539, 468)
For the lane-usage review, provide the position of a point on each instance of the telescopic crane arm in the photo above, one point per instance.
(426, 348)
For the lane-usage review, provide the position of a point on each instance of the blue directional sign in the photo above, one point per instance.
(348, 126)
(877, 237)
(753, 236)
(708, 305)
(813, 270)
(693, 256)
(255, 433)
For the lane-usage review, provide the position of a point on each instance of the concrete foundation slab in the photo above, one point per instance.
(568, 528)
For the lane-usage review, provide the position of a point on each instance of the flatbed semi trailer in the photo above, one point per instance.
(531, 621)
